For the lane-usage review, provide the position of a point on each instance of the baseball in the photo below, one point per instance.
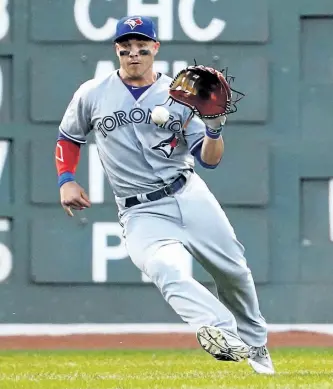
(160, 115)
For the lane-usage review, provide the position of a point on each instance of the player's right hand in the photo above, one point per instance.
(72, 195)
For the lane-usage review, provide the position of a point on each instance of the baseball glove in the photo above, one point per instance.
(207, 92)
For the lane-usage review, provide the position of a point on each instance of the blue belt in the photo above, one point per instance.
(167, 190)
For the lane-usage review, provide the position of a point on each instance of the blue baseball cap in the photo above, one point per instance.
(135, 25)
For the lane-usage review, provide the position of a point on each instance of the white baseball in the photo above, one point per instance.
(160, 115)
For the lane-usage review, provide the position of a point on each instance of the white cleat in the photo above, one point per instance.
(260, 360)
(222, 345)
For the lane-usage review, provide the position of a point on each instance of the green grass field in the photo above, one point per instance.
(296, 368)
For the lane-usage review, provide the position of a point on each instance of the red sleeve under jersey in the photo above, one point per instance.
(67, 155)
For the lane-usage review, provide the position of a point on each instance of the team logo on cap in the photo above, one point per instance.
(134, 22)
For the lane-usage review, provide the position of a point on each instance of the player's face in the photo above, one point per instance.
(136, 57)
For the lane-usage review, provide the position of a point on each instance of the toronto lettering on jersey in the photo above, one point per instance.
(135, 115)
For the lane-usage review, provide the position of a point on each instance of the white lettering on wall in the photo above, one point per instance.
(103, 68)
(1, 87)
(96, 176)
(161, 66)
(177, 66)
(164, 67)
(191, 29)
(330, 208)
(4, 18)
(4, 148)
(101, 252)
(162, 10)
(85, 26)
(6, 259)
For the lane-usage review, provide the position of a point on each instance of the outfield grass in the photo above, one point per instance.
(296, 368)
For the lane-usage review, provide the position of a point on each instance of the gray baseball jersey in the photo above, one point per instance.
(137, 155)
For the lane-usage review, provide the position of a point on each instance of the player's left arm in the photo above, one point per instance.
(212, 148)
(206, 146)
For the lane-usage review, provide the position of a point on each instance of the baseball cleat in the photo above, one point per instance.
(260, 360)
(222, 345)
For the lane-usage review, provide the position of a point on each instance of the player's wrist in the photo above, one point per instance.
(65, 177)
(214, 133)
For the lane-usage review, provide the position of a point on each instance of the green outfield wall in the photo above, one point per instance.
(274, 182)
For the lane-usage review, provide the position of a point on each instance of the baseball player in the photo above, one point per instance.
(166, 210)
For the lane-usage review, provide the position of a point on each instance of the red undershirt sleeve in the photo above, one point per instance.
(67, 155)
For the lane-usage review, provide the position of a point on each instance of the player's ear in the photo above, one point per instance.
(116, 47)
(157, 46)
